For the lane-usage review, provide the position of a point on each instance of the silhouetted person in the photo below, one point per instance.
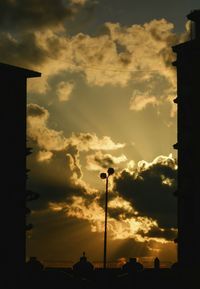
(132, 266)
(156, 263)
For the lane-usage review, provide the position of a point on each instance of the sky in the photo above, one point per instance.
(105, 99)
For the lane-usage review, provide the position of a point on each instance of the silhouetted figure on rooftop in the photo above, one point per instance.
(132, 266)
(156, 263)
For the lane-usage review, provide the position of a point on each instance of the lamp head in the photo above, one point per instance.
(103, 175)
(111, 171)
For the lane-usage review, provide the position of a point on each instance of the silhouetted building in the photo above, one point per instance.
(34, 266)
(175, 266)
(188, 193)
(13, 83)
(83, 266)
(132, 266)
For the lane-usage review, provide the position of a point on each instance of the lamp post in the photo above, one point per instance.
(110, 172)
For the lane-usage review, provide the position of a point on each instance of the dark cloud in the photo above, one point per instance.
(129, 248)
(151, 192)
(56, 237)
(73, 156)
(99, 161)
(105, 162)
(23, 51)
(73, 236)
(155, 232)
(20, 20)
(53, 180)
(101, 201)
(23, 14)
(35, 110)
(119, 213)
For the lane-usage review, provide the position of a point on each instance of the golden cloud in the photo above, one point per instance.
(138, 53)
(51, 140)
(134, 227)
(139, 100)
(162, 160)
(78, 2)
(98, 160)
(44, 156)
(118, 53)
(141, 53)
(38, 131)
(64, 90)
(90, 141)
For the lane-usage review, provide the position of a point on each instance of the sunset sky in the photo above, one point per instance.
(105, 99)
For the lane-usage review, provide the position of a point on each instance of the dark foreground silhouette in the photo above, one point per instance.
(131, 275)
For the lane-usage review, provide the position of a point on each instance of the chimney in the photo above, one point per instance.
(194, 16)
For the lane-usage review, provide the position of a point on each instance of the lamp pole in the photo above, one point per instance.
(105, 225)
(106, 176)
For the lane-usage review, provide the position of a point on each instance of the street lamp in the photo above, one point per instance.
(110, 172)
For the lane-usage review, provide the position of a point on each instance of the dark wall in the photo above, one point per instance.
(188, 77)
(13, 174)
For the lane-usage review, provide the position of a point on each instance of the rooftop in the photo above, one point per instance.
(5, 68)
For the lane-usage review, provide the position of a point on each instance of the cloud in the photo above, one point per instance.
(73, 158)
(52, 140)
(113, 57)
(139, 100)
(150, 189)
(76, 199)
(118, 229)
(132, 211)
(32, 14)
(64, 90)
(156, 91)
(59, 179)
(37, 130)
(120, 209)
(138, 53)
(33, 35)
(44, 51)
(79, 2)
(168, 233)
(97, 161)
(36, 111)
(64, 192)
(147, 44)
(22, 49)
(124, 221)
(130, 165)
(44, 156)
(141, 54)
(167, 161)
(129, 248)
(90, 141)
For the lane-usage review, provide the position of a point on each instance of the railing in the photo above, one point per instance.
(145, 261)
